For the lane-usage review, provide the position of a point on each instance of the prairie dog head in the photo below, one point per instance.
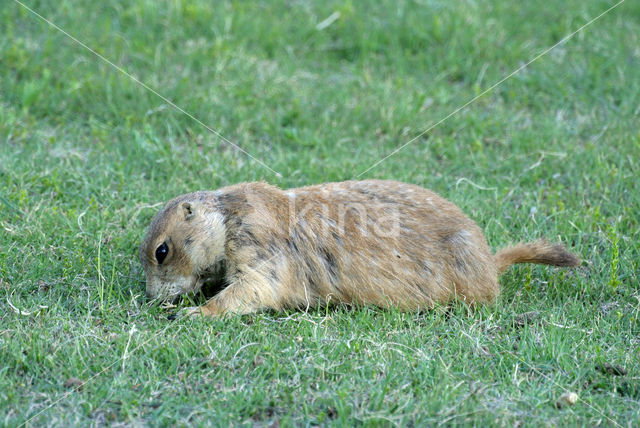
(184, 241)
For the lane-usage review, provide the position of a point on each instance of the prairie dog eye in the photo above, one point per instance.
(161, 252)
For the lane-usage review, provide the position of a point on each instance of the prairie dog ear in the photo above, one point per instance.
(189, 210)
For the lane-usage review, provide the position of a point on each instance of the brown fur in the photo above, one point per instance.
(370, 242)
(541, 252)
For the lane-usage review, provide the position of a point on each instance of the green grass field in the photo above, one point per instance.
(87, 156)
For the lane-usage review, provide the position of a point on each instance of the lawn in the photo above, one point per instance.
(318, 91)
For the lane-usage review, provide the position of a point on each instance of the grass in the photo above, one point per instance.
(87, 155)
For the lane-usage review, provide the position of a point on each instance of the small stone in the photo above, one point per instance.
(607, 307)
(73, 382)
(567, 399)
(43, 286)
(526, 318)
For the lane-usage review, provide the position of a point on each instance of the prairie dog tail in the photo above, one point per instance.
(541, 252)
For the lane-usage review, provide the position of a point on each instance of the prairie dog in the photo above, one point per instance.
(374, 242)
